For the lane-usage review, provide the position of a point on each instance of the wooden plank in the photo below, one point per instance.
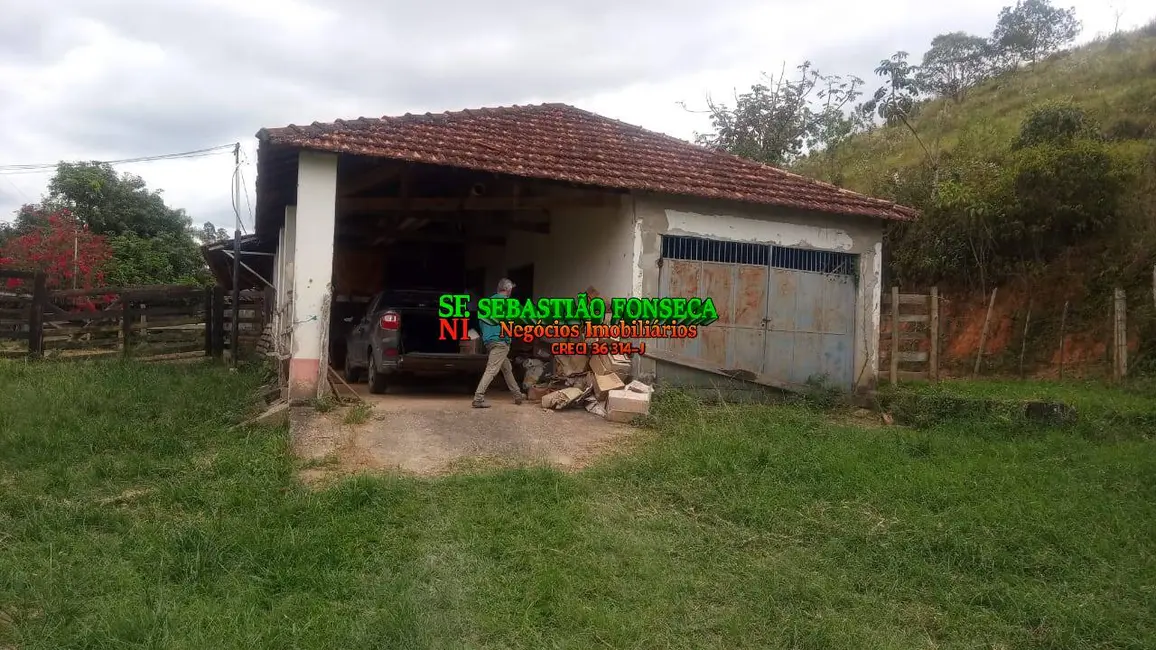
(174, 335)
(170, 348)
(906, 356)
(19, 275)
(111, 344)
(161, 311)
(896, 299)
(914, 318)
(171, 321)
(455, 204)
(137, 292)
(905, 336)
(904, 298)
(933, 334)
(19, 314)
(13, 336)
(743, 375)
(911, 375)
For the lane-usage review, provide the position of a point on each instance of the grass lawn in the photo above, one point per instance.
(131, 516)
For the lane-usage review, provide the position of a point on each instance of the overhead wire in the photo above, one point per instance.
(36, 168)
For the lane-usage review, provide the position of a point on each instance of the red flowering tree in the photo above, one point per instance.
(65, 250)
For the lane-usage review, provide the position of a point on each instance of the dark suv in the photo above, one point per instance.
(399, 335)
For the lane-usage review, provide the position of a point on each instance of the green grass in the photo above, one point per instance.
(1103, 410)
(1113, 79)
(132, 516)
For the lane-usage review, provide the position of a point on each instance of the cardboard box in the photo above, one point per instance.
(603, 384)
(639, 387)
(624, 405)
(570, 364)
(560, 399)
(609, 365)
(600, 365)
(536, 393)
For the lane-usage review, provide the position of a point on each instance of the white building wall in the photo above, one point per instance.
(312, 273)
(586, 247)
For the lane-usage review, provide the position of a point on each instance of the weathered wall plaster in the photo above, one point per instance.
(313, 272)
(747, 229)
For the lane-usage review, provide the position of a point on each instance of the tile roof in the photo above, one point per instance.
(560, 142)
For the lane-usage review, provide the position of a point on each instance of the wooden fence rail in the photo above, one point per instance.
(909, 335)
(153, 322)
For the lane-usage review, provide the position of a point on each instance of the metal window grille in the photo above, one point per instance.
(679, 247)
(802, 259)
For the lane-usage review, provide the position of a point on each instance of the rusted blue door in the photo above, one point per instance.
(810, 326)
(785, 313)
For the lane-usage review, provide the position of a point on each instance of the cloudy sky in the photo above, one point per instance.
(116, 79)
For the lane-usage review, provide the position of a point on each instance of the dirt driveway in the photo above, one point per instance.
(432, 429)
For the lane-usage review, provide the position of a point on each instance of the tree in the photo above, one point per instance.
(896, 99)
(955, 62)
(152, 243)
(776, 122)
(67, 251)
(210, 233)
(1034, 28)
(166, 259)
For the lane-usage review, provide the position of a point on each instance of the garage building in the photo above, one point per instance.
(562, 200)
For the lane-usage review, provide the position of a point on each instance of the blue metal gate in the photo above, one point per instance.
(785, 313)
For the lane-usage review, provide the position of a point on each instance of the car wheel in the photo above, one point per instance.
(376, 378)
(352, 374)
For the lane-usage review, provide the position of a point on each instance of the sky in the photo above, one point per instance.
(117, 79)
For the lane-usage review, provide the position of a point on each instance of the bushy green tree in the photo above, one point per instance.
(990, 214)
(1033, 29)
(152, 243)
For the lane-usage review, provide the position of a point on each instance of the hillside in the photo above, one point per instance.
(1040, 182)
(1114, 80)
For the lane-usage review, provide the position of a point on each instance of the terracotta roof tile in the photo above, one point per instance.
(560, 142)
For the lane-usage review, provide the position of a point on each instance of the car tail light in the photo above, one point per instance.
(391, 352)
(390, 320)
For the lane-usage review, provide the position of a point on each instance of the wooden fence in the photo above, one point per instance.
(909, 336)
(152, 323)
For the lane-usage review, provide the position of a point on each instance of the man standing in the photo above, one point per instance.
(498, 347)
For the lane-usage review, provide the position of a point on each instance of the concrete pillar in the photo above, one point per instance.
(312, 273)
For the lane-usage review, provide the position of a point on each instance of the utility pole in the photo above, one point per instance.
(233, 338)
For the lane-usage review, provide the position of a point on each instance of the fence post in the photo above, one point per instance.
(218, 319)
(208, 321)
(983, 332)
(1024, 341)
(894, 335)
(1063, 335)
(36, 315)
(126, 325)
(933, 347)
(1120, 336)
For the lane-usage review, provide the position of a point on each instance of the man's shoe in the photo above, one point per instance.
(519, 398)
(481, 404)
